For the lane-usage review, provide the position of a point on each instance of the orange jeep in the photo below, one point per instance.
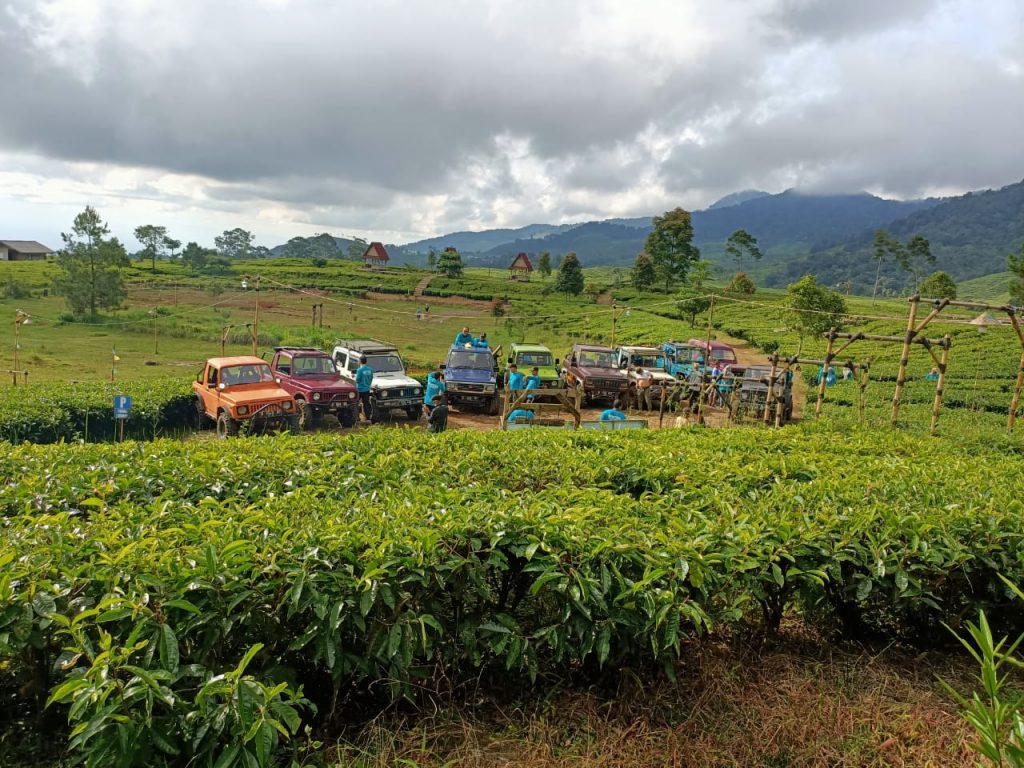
(230, 390)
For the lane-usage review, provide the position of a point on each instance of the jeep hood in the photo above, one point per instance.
(471, 375)
(394, 380)
(603, 373)
(246, 393)
(326, 381)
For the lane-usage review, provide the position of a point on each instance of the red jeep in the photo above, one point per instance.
(596, 370)
(310, 377)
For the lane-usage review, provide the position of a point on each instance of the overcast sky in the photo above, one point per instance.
(397, 119)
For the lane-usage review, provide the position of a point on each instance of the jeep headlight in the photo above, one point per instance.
(242, 410)
(287, 405)
(417, 391)
(383, 394)
(316, 395)
(488, 387)
(351, 395)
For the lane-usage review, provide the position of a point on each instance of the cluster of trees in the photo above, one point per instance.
(1016, 265)
(669, 253)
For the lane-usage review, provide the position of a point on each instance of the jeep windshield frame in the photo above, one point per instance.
(477, 360)
(385, 362)
(591, 358)
(250, 373)
(313, 365)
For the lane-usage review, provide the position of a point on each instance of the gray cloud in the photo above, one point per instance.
(469, 113)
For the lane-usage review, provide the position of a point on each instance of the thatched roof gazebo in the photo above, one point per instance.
(521, 267)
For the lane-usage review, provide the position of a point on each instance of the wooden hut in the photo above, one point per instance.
(376, 256)
(520, 268)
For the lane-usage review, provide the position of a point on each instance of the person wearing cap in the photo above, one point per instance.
(514, 380)
(533, 381)
(437, 420)
(482, 342)
(464, 338)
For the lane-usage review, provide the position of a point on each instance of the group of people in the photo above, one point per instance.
(467, 340)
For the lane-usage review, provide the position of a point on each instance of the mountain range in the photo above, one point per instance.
(799, 233)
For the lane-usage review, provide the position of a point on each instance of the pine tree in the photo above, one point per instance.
(570, 275)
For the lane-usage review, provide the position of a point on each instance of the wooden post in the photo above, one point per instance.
(937, 406)
(901, 377)
(771, 388)
(256, 319)
(707, 361)
(1015, 400)
(824, 372)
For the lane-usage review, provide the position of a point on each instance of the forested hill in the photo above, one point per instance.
(790, 220)
(970, 236)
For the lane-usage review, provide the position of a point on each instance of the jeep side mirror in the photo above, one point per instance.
(442, 366)
(557, 361)
(510, 361)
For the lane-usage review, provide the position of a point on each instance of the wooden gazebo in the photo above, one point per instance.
(521, 267)
(376, 256)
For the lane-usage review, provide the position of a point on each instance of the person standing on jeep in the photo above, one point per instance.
(364, 383)
(465, 338)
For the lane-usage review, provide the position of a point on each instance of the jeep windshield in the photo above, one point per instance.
(647, 361)
(246, 374)
(466, 358)
(723, 355)
(540, 359)
(592, 359)
(313, 366)
(390, 363)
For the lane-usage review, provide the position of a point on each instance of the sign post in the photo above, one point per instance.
(122, 407)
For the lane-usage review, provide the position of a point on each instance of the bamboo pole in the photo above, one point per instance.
(940, 384)
(1015, 400)
(863, 387)
(901, 377)
(824, 373)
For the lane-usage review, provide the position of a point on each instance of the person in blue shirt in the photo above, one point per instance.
(830, 377)
(614, 413)
(435, 386)
(482, 342)
(364, 383)
(933, 375)
(464, 338)
(533, 382)
(520, 413)
(515, 380)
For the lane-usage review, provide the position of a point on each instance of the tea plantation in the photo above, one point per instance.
(191, 603)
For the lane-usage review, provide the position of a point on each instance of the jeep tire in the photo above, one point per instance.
(413, 412)
(494, 407)
(226, 426)
(306, 414)
(201, 420)
(292, 424)
(376, 412)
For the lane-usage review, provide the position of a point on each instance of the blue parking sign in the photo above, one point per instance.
(122, 405)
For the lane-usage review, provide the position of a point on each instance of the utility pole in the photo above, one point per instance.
(156, 341)
(256, 310)
(20, 318)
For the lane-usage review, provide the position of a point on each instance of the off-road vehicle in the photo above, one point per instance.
(234, 390)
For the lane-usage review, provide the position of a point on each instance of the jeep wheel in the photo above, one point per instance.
(413, 412)
(292, 423)
(494, 406)
(226, 426)
(347, 417)
(306, 414)
(200, 419)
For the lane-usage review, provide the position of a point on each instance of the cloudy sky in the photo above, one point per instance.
(400, 119)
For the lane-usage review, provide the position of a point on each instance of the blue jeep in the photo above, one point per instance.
(471, 379)
(681, 356)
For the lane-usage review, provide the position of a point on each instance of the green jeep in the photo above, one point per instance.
(526, 356)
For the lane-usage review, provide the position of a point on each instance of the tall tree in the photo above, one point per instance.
(172, 246)
(544, 264)
(235, 243)
(90, 265)
(153, 239)
(644, 273)
(570, 275)
(431, 259)
(813, 308)
(694, 300)
(742, 244)
(450, 263)
(917, 256)
(1016, 265)
(670, 246)
(886, 248)
(357, 248)
(196, 257)
(938, 285)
